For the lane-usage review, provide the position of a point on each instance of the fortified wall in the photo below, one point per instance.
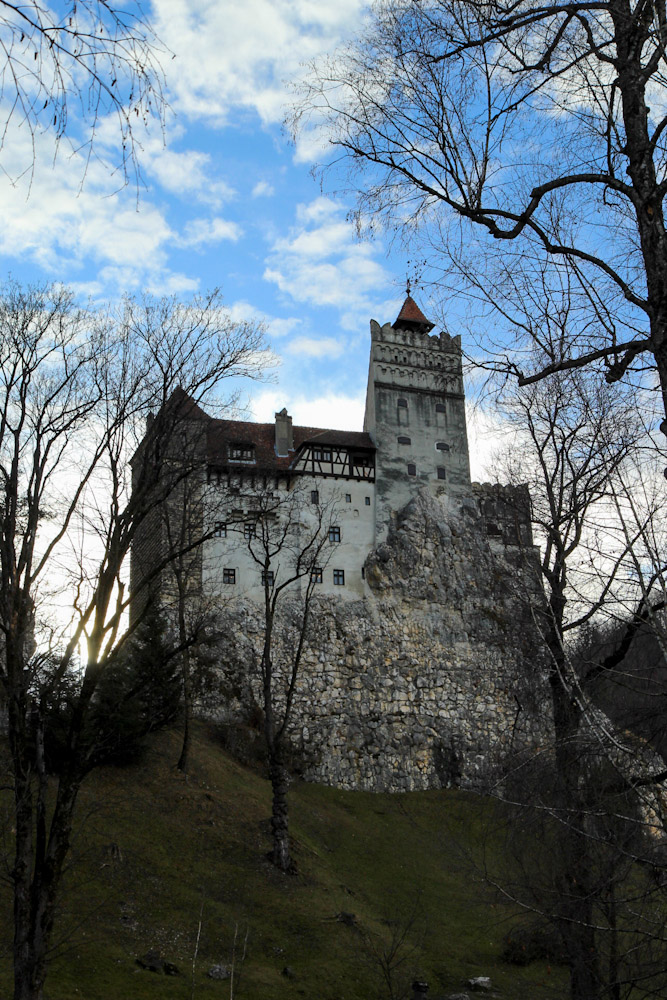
(436, 677)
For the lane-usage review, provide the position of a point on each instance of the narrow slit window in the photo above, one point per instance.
(442, 473)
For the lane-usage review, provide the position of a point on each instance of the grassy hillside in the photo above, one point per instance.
(155, 853)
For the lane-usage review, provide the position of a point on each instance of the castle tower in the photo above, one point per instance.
(415, 412)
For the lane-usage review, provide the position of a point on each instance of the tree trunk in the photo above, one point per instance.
(575, 913)
(279, 816)
(187, 714)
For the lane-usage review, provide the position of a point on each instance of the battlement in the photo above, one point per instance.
(403, 337)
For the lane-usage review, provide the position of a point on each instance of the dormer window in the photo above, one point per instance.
(321, 454)
(241, 452)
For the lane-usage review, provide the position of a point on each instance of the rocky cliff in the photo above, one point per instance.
(437, 676)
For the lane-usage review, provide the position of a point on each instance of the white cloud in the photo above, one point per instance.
(311, 347)
(277, 326)
(487, 436)
(240, 55)
(328, 410)
(201, 232)
(322, 263)
(186, 174)
(263, 189)
(61, 226)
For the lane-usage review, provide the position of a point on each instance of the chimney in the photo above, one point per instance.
(284, 435)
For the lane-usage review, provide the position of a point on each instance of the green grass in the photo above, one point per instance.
(154, 851)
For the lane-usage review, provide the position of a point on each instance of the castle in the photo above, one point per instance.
(424, 673)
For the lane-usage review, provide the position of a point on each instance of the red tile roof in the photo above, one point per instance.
(412, 316)
(222, 433)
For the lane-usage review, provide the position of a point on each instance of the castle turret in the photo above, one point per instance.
(415, 411)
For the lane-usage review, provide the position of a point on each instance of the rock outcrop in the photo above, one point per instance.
(437, 677)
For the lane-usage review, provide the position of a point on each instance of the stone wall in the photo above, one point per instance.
(436, 676)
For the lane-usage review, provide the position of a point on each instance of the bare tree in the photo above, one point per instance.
(580, 446)
(66, 70)
(540, 125)
(287, 536)
(75, 392)
(187, 518)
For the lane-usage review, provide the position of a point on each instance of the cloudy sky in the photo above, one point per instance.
(228, 202)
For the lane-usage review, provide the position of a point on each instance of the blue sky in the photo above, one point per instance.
(227, 202)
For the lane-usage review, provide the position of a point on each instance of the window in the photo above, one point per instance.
(249, 530)
(334, 534)
(442, 473)
(339, 577)
(322, 454)
(241, 452)
(348, 498)
(229, 576)
(440, 408)
(404, 440)
(316, 574)
(314, 496)
(441, 446)
(267, 577)
(367, 501)
(412, 469)
(402, 402)
(220, 529)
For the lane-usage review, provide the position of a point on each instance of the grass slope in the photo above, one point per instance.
(160, 860)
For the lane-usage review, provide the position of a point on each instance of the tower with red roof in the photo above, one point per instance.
(415, 412)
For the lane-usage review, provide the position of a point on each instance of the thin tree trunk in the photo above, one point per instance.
(187, 713)
(575, 914)
(280, 854)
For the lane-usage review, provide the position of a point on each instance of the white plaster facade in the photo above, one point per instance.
(414, 436)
